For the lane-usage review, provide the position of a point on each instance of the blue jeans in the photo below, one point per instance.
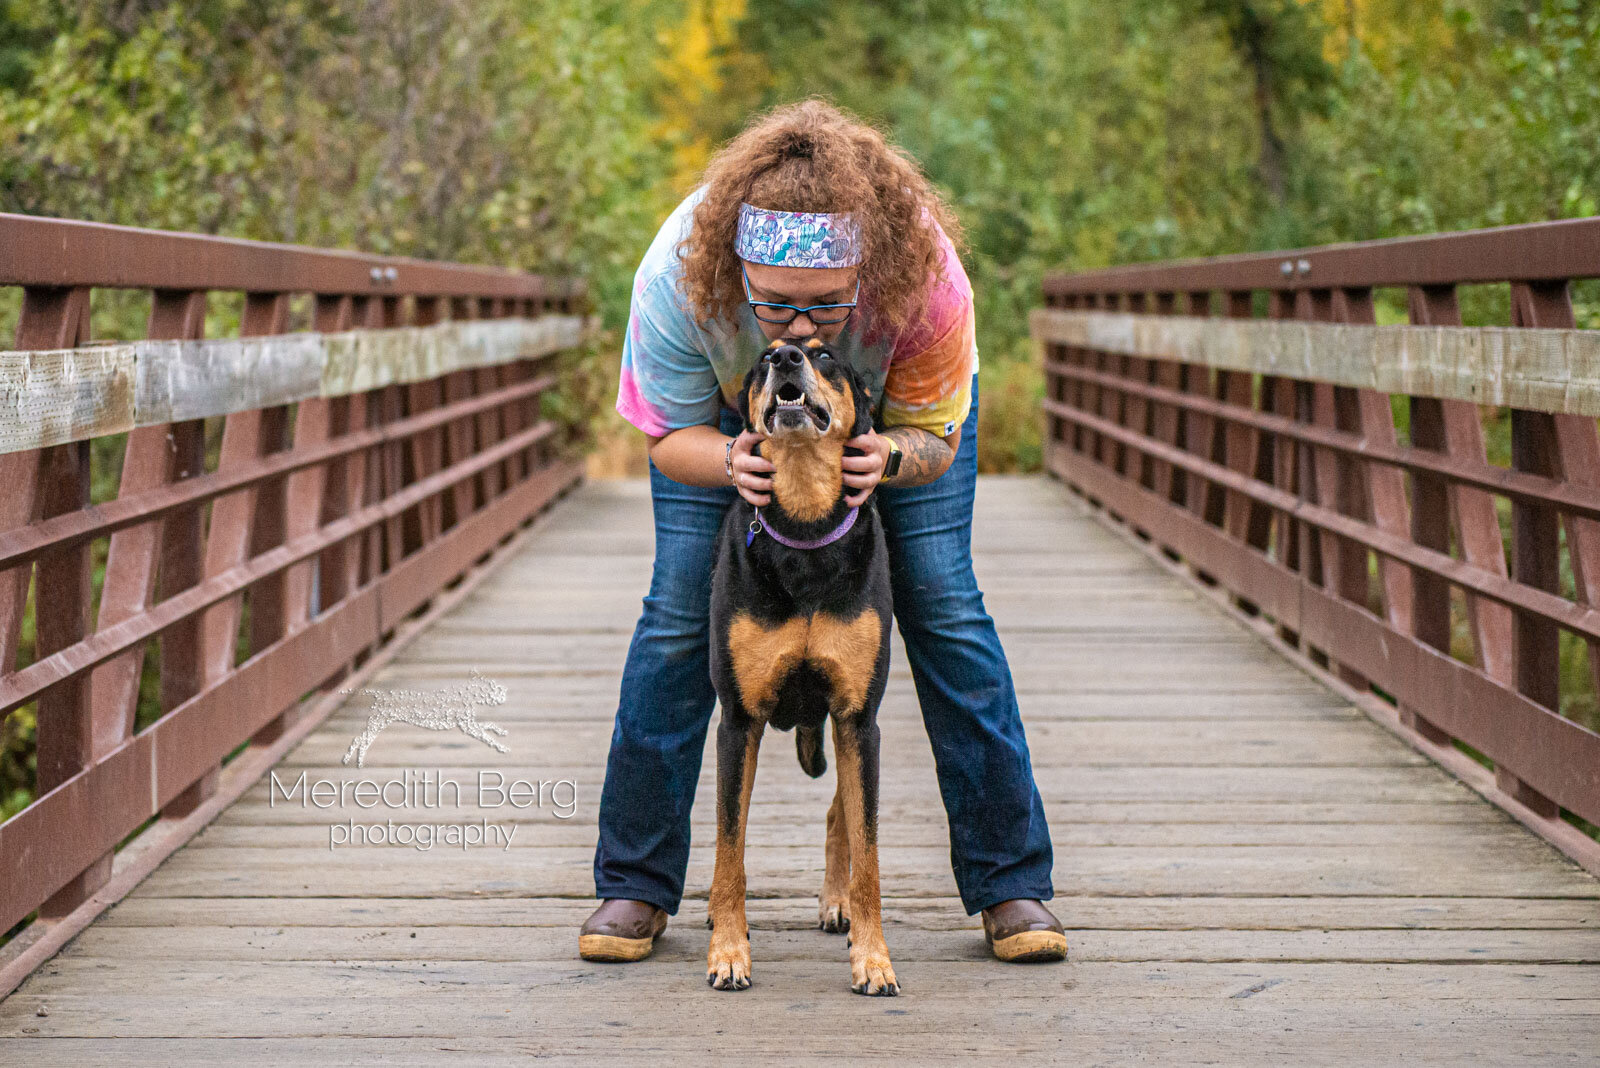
(999, 841)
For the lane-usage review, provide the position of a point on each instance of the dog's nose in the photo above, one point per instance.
(788, 358)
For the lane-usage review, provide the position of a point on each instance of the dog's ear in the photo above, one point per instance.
(742, 401)
(863, 404)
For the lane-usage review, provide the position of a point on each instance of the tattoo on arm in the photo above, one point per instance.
(924, 456)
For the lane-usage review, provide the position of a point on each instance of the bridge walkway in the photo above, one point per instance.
(1249, 868)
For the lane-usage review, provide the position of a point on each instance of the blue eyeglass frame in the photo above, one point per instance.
(754, 304)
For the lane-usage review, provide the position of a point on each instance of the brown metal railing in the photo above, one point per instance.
(337, 509)
(1262, 453)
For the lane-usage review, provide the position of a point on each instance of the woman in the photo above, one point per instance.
(810, 225)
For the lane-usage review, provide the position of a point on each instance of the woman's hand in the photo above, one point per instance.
(863, 473)
(752, 475)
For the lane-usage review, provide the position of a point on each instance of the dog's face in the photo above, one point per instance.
(800, 392)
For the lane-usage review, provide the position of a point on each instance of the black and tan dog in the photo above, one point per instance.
(800, 610)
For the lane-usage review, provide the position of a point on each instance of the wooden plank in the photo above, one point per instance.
(945, 1014)
(1176, 983)
(648, 1043)
(795, 826)
(1130, 742)
(1310, 815)
(404, 871)
(191, 942)
(933, 913)
(1549, 369)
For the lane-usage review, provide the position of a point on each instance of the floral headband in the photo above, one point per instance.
(797, 238)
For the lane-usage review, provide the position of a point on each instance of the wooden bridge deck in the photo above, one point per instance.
(1250, 870)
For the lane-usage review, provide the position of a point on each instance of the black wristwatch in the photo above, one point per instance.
(891, 466)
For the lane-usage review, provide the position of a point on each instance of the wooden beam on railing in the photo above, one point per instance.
(1282, 396)
(1166, 422)
(426, 452)
(138, 557)
(1241, 446)
(266, 315)
(1200, 431)
(58, 483)
(338, 566)
(1535, 535)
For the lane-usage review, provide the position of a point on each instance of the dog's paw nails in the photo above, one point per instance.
(874, 977)
(725, 978)
(881, 990)
(834, 918)
(728, 969)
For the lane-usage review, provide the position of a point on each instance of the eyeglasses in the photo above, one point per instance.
(783, 314)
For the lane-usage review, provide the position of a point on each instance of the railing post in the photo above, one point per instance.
(490, 431)
(1167, 481)
(339, 565)
(463, 499)
(1200, 429)
(167, 550)
(231, 538)
(1535, 534)
(1281, 461)
(56, 483)
(1245, 519)
(265, 315)
(1136, 416)
(425, 453)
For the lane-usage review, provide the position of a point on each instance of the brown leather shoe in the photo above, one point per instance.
(1024, 931)
(621, 930)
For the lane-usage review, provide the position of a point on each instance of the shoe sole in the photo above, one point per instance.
(1031, 947)
(612, 948)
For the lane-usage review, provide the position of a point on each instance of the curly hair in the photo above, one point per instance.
(814, 157)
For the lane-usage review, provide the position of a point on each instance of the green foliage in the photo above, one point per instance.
(1498, 126)
(551, 136)
(493, 131)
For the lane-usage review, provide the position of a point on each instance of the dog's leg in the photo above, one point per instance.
(847, 651)
(738, 742)
(833, 904)
(855, 741)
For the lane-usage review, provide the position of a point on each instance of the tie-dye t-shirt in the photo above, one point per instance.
(678, 372)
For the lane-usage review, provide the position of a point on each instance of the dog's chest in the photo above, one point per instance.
(832, 654)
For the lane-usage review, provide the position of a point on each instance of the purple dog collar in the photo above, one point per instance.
(827, 539)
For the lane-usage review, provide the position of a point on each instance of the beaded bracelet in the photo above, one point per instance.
(727, 460)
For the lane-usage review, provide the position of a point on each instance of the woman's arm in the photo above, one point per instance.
(924, 456)
(696, 456)
(927, 391)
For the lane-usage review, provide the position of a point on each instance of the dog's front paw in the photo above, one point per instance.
(728, 963)
(871, 973)
(833, 912)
